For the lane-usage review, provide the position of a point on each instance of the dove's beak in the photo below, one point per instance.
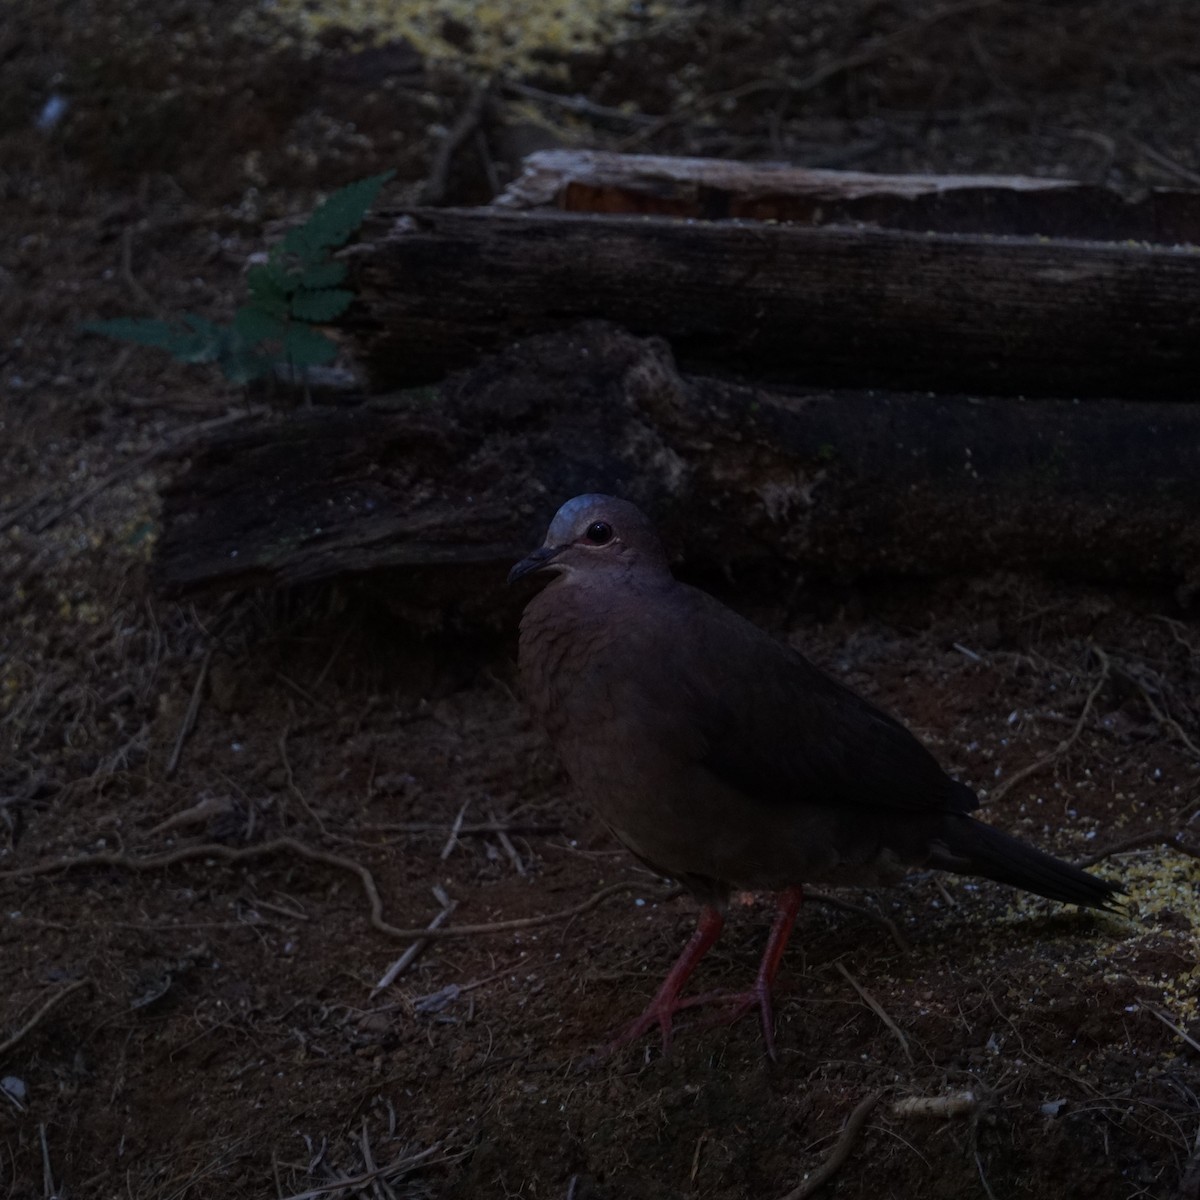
(536, 561)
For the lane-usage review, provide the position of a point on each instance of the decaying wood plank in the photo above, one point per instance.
(837, 485)
(830, 306)
(598, 181)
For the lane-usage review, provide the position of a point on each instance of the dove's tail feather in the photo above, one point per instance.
(973, 848)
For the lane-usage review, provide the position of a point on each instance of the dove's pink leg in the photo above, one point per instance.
(666, 1002)
(759, 995)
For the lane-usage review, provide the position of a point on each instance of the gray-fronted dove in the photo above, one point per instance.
(723, 758)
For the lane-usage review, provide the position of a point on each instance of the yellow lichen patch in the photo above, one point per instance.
(495, 35)
(1153, 942)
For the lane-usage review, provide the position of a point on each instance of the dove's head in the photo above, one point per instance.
(595, 533)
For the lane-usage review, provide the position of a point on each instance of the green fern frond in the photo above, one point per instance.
(294, 290)
(254, 325)
(332, 223)
(198, 345)
(323, 275)
(320, 307)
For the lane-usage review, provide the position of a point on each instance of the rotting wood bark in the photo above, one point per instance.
(838, 485)
(828, 306)
(709, 189)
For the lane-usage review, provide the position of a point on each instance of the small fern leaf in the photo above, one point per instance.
(270, 286)
(321, 306)
(203, 327)
(332, 223)
(323, 275)
(308, 347)
(144, 332)
(195, 346)
(253, 325)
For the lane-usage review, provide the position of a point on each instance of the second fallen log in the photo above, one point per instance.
(445, 492)
(827, 306)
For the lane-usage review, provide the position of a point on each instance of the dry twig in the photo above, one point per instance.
(203, 810)
(841, 1150)
(878, 918)
(41, 1014)
(292, 786)
(1177, 629)
(436, 185)
(878, 1010)
(1064, 746)
(1187, 1037)
(409, 956)
(1165, 719)
(580, 105)
(1142, 841)
(1189, 1181)
(478, 829)
(168, 858)
(1167, 164)
(956, 1104)
(511, 850)
(397, 1168)
(874, 50)
(452, 840)
(189, 717)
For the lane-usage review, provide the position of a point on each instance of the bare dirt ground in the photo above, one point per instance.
(190, 1002)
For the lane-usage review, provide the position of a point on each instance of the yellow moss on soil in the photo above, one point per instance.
(494, 35)
(1162, 886)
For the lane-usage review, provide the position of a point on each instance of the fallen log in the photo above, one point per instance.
(839, 485)
(597, 181)
(829, 306)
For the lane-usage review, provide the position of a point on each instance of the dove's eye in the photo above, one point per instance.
(599, 532)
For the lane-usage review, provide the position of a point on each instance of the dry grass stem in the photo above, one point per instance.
(48, 1189)
(300, 691)
(41, 1014)
(987, 1189)
(841, 1150)
(878, 1010)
